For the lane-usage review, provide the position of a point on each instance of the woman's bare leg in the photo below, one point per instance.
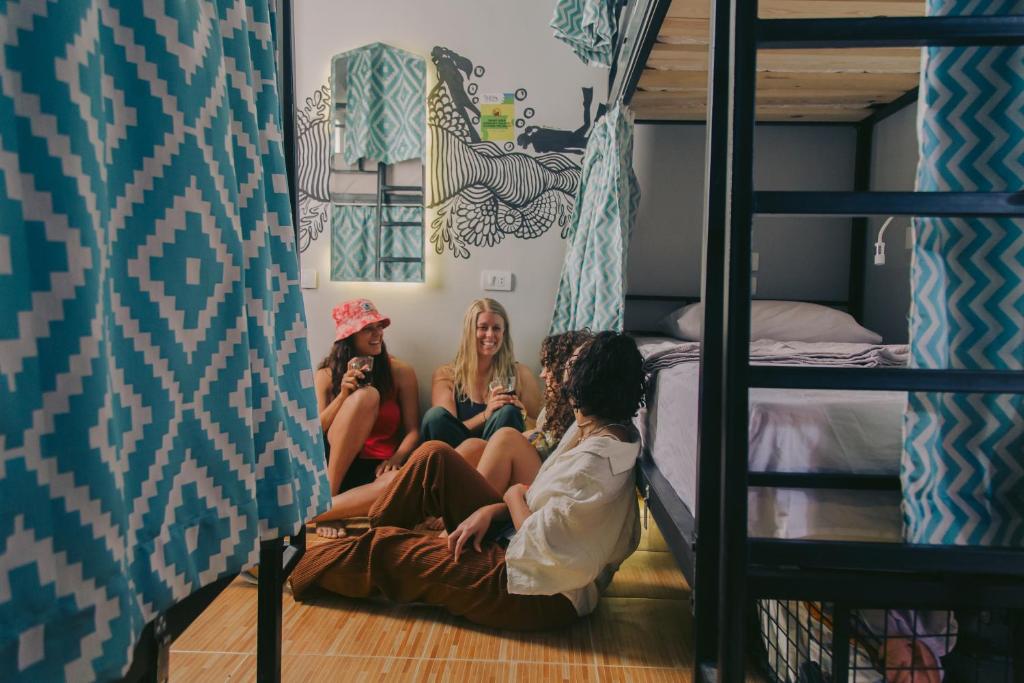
(349, 431)
(472, 450)
(356, 501)
(508, 459)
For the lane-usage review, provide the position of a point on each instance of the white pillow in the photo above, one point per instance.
(779, 320)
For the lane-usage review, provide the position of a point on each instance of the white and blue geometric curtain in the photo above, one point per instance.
(386, 112)
(354, 236)
(963, 461)
(592, 286)
(588, 27)
(156, 403)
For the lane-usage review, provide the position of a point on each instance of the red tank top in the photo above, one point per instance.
(384, 437)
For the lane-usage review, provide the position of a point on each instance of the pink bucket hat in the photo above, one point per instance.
(355, 314)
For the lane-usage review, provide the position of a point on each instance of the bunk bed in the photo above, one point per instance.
(675, 59)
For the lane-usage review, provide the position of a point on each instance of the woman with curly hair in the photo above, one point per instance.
(470, 396)
(537, 557)
(513, 457)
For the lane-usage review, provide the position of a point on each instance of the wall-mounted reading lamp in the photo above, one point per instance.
(880, 242)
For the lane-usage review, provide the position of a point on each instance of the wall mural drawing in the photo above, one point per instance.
(481, 192)
(313, 130)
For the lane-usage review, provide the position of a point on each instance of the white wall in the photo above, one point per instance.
(800, 258)
(513, 41)
(893, 168)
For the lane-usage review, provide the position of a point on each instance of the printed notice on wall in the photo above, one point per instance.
(497, 116)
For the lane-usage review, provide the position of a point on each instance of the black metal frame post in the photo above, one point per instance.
(859, 225)
(287, 91)
(709, 405)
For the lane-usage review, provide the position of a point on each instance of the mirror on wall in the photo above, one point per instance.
(378, 123)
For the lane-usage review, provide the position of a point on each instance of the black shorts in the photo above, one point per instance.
(360, 472)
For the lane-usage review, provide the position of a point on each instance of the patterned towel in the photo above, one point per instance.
(386, 114)
(588, 27)
(664, 354)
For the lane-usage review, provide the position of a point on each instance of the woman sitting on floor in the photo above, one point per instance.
(464, 402)
(566, 534)
(512, 457)
(370, 419)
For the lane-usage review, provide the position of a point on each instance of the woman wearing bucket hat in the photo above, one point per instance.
(370, 416)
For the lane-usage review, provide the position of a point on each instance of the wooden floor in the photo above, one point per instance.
(641, 631)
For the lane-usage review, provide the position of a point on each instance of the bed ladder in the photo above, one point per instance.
(731, 568)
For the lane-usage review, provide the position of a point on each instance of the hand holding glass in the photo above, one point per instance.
(507, 386)
(365, 365)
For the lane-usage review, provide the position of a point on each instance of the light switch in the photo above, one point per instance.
(496, 280)
(909, 244)
(755, 261)
(308, 278)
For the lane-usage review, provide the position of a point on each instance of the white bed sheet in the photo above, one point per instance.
(790, 431)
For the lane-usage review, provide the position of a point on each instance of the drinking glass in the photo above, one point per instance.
(364, 364)
(504, 386)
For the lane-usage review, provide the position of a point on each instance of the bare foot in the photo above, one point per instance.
(330, 529)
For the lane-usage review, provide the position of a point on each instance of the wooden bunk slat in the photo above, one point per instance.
(798, 85)
(792, 9)
(882, 60)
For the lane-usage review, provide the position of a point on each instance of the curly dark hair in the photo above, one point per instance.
(337, 362)
(555, 352)
(607, 379)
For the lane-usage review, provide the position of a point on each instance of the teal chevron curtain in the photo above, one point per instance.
(156, 400)
(963, 460)
(588, 27)
(592, 285)
(354, 243)
(386, 112)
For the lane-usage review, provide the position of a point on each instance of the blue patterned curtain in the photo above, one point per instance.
(963, 461)
(156, 402)
(588, 27)
(354, 243)
(386, 111)
(592, 286)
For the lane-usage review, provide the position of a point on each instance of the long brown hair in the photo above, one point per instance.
(337, 360)
(555, 352)
(465, 363)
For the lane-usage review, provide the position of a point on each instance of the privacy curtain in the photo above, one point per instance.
(354, 235)
(592, 286)
(156, 401)
(588, 27)
(963, 460)
(386, 111)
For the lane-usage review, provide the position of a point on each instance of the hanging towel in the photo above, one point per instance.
(354, 243)
(386, 112)
(157, 414)
(963, 459)
(588, 27)
(592, 286)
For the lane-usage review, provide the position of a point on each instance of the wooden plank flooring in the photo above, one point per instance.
(642, 631)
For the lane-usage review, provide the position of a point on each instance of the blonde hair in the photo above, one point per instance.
(466, 359)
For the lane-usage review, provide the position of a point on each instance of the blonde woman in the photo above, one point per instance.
(464, 404)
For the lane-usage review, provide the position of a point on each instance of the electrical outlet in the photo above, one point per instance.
(755, 261)
(309, 278)
(753, 285)
(909, 244)
(496, 280)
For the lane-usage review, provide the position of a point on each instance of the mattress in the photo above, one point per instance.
(790, 431)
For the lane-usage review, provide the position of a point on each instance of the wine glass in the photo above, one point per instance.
(363, 364)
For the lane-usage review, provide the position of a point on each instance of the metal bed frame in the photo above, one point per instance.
(726, 568)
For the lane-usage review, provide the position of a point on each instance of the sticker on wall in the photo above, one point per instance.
(313, 130)
(483, 191)
(497, 116)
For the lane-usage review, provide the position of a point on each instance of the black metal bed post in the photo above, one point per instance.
(709, 406)
(859, 224)
(269, 614)
(736, 342)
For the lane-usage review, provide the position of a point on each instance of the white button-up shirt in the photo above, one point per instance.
(583, 522)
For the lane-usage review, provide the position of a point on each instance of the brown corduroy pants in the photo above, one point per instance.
(410, 566)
